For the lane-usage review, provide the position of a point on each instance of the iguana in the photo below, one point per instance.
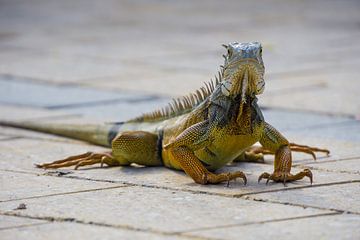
(198, 133)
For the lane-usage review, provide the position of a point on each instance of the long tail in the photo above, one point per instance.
(97, 134)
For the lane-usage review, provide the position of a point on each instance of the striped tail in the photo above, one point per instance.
(97, 134)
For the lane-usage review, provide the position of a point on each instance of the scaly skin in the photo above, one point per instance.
(197, 134)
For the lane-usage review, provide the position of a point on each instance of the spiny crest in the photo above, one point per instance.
(183, 104)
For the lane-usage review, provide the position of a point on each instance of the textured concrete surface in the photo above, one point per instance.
(102, 61)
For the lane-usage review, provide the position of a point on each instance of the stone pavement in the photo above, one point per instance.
(99, 61)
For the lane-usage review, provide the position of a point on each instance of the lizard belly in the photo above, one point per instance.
(226, 148)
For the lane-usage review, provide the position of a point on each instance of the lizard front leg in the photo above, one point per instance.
(182, 151)
(273, 141)
(196, 170)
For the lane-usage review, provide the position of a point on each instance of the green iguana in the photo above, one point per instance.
(198, 133)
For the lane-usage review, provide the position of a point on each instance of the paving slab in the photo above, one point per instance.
(7, 222)
(56, 67)
(21, 186)
(343, 226)
(166, 178)
(345, 165)
(139, 208)
(111, 48)
(118, 111)
(51, 96)
(5, 137)
(64, 230)
(334, 89)
(341, 197)
(170, 82)
(287, 120)
(347, 132)
(342, 147)
(10, 113)
(23, 153)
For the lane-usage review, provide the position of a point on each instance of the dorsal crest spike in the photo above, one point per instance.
(183, 104)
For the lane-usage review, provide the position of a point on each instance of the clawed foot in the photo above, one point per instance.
(222, 177)
(284, 177)
(88, 158)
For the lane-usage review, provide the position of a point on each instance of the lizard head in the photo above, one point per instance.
(243, 72)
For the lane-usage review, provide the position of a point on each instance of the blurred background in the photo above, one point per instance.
(79, 55)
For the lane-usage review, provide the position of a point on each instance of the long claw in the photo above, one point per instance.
(244, 179)
(233, 176)
(263, 175)
(285, 179)
(309, 174)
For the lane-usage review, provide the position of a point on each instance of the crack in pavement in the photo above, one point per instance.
(299, 205)
(79, 221)
(329, 170)
(325, 161)
(261, 222)
(63, 193)
(23, 225)
(246, 196)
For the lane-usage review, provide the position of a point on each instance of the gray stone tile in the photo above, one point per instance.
(342, 197)
(139, 207)
(11, 113)
(55, 67)
(339, 149)
(346, 165)
(120, 111)
(293, 121)
(149, 47)
(52, 96)
(165, 178)
(13, 222)
(23, 153)
(4, 137)
(155, 80)
(343, 226)
(331, 92)
(20, 185)
(347, 132)
(66, 230)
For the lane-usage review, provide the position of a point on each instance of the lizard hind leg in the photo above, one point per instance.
(128, 147)
(251, 155)
(140, 147)
(88, 158)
